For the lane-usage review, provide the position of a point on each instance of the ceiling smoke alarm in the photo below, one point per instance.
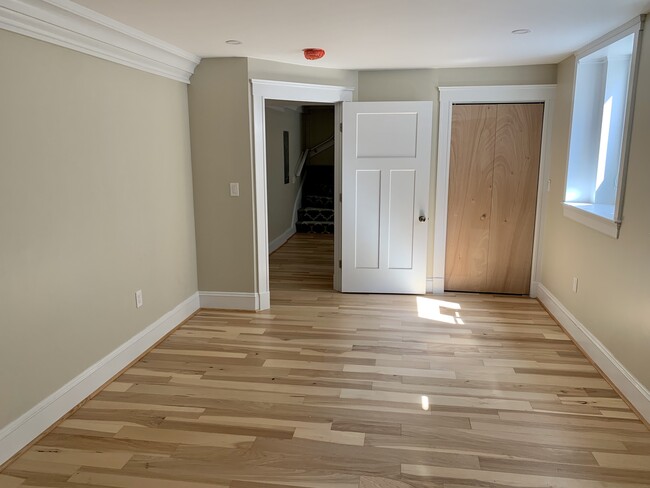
(312, 53)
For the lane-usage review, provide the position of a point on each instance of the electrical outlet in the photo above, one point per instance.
(574, 286)
(234, 189)
(548, 185)
(138, 299)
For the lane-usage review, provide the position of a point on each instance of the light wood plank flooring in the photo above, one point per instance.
(352, 391)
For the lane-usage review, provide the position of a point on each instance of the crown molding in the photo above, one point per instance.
(67, 24)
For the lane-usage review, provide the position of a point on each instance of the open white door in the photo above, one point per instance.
(385, 192)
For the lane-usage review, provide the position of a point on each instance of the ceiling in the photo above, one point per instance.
(378, 34)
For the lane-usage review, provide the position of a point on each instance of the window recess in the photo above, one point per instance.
(603, 101)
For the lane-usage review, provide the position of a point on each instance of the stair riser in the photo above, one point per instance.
(317, 201)
(315, 227)
(316, 215)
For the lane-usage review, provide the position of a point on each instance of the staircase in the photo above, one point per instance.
(316, 216)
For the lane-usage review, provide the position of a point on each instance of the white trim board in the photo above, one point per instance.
(630, 387)
(19, 433)
(486, 94)
(67, 24)
(230, 300)
(607, 226)
(430, 284)
(262, 90)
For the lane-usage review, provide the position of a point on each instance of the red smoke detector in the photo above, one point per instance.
(312, 53)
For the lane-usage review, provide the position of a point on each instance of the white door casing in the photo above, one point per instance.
(262, 90)
(385, 192)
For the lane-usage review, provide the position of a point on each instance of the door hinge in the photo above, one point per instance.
(340, 126)
(340, 263)
(340, 197)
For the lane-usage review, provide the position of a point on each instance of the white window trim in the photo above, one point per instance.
(597, 216)
(594, 216)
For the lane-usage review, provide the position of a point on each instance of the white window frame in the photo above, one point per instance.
(601, 217)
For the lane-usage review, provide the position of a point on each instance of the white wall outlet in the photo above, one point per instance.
(548, 185)
(234, 189)
(574, 285)
(138, 299)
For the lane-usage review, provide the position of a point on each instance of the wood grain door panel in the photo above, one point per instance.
(473, 131)
(514, 197)
(493, 178)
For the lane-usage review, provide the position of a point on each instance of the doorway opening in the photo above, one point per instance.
(300, 169)
(307, 94)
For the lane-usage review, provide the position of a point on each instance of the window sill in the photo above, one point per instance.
(597, 216)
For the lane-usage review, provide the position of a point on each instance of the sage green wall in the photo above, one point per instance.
(422, 84)
(281, 196)
(221, 154)
(95, 203)
(613, 299)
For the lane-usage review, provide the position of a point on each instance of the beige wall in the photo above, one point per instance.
(220, 123)
(221, 154)
(271, 70)
(221, 148)
(281, 196)
(422, 84)
(613, 299)
(95, 203)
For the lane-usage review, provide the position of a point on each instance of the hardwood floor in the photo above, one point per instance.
(331, 390)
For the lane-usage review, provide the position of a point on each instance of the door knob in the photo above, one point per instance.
(422, 218)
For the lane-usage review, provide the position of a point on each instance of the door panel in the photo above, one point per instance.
(385, 189)
(494, 171)
(390, 135)
(401, 219)
(514, 197)
(473, 131)
(367, 219)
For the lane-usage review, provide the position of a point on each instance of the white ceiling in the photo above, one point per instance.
(378, 34)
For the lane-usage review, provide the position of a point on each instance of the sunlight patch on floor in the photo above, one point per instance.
(431, 309)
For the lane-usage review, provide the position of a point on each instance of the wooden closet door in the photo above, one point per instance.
(473, 131)
(514, 197)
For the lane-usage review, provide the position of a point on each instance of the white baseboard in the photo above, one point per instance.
(637, 394)
(534, 286)
(230, 300)
(26, 428)
(265, 301)
(281, 239)
(435, 285)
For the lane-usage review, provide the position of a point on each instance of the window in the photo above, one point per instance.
(602, 113)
